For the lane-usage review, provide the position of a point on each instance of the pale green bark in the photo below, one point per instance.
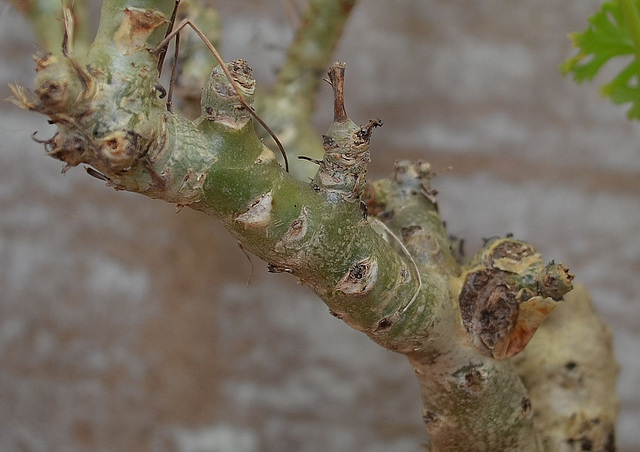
(391, 276)
(570, 372)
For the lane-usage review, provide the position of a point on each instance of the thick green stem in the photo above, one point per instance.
(112, 18)
(470, 402)
(389, 274)
(116, 123)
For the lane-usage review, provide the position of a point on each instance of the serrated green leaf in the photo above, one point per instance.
(606, 37)
(624, 88)
(610, 35)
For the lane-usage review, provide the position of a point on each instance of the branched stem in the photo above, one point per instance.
(399, 283)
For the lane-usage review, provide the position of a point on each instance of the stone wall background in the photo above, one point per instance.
(127, 327)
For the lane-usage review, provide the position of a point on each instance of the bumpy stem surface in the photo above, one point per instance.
(377, 254)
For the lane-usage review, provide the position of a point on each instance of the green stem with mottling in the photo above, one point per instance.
(390, 275)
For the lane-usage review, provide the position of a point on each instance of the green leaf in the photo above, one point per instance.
(612, 33)
(625, 88)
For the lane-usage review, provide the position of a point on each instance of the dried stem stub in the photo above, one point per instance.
(336, 78)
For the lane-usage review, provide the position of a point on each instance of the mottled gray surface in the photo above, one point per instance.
(126, 327)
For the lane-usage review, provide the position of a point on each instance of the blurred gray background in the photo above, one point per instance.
(127, 327)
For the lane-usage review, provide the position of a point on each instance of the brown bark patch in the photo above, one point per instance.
(489, 311)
